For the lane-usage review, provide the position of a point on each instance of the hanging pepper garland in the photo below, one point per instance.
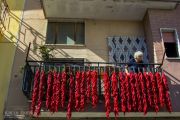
(138, 90)
(88, 86)
(132, 83)
(63, 89)
(94, 88)
(58, 91)
(154, 89)
(71, 96)
(53, 97)
(77, 91)
(128, 93)
(122, 94)
(107, 93)
(149, 90)
(41, 93)
(49, 90)
(35, 91)
(160, 89)
(115, 93)
(143, 89)
(82, 91)
(166, 91)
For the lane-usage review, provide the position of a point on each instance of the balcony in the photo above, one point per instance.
(104, 9)
(72, 68)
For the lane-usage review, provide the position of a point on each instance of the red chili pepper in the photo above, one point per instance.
(149, 90)
(123, 91)
(53, 98)
(154, 89)
(94, 88)
(35, 91)
(88, 86)
(63, 89)
(107, 93)
(82, 91)
(71, 96)
(49, 90)
(115, 93)
(141, 79)
(160, 89)
(167, 96)
(41, 93)
(128, 93)
(138, 90)
(133, 91)
(77, 91)
(58, 91)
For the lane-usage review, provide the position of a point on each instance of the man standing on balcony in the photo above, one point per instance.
(136, 63)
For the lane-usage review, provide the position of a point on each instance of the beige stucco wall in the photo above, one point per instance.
(96, 33)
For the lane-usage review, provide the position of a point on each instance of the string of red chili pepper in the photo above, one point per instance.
(167, 96)
(128, 93)
(123, 91)
(88, 86)
(149, 90)
(77, 91)
(53, 97)
(63, 89)
(154, 89)
(71, 96)
(107, 93)
(82, 91)
(132, 82)
(58, 91)
(160, 88)
(35, 91)
(49, 89)
(138, 90)
(143, 89)
(94, 88)
(115, 93)
(41, 93)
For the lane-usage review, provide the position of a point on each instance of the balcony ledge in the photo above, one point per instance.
(103, 115)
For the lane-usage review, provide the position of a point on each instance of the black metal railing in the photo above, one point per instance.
(31, 67)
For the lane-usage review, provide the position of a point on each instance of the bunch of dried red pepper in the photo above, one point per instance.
(125, 92)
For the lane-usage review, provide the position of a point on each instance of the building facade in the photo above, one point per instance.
(9, 34)
(91, 26)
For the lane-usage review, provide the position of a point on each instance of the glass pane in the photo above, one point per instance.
(171, 49)
(80, 31)
(51, 33)
(65, 34)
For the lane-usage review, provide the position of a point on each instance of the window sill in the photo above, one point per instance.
(169, 58)
(65, 45)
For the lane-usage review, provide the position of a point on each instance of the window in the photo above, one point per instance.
(69, 33)
(171, 42)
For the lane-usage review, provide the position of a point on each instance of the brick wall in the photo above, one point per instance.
(149, 39)
(153, 21)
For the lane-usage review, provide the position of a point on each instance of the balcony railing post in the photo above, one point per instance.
(99, 79)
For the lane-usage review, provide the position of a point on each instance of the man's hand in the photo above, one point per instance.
(126, 69)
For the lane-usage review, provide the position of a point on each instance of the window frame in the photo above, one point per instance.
(176, 37)
(56, 32)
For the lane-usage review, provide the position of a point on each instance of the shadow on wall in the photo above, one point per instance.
(24, 31)
(174, 86)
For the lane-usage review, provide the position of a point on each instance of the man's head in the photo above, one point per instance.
(138, 56)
